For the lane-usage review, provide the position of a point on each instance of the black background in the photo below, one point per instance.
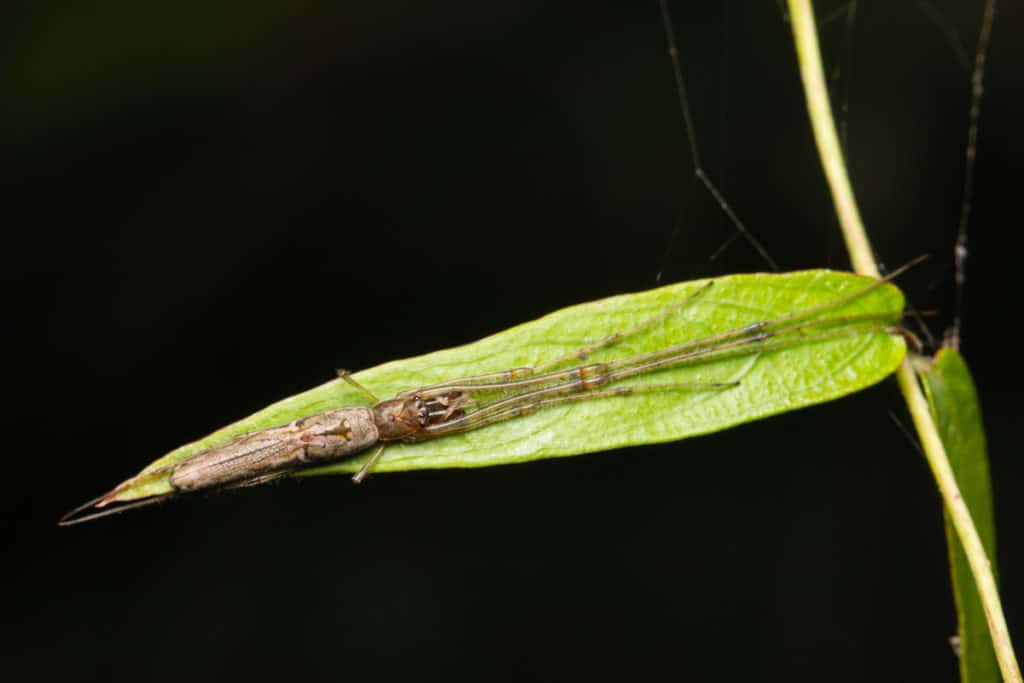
(210, 208)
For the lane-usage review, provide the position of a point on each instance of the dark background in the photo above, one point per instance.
(208, 208)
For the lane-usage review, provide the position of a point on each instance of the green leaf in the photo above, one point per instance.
(770, 382)
(954, 404)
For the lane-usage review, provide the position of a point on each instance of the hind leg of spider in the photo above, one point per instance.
(364, 471)
(347, 376)
(256, 481)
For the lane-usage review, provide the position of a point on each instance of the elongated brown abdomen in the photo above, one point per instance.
(322, 437)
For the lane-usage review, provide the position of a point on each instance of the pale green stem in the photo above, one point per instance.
(820, 110)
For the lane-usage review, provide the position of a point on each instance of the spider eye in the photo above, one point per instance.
(422, 414)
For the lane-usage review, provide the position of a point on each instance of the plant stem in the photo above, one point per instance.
(820, 110)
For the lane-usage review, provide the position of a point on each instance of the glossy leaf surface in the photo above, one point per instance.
(809, 370)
